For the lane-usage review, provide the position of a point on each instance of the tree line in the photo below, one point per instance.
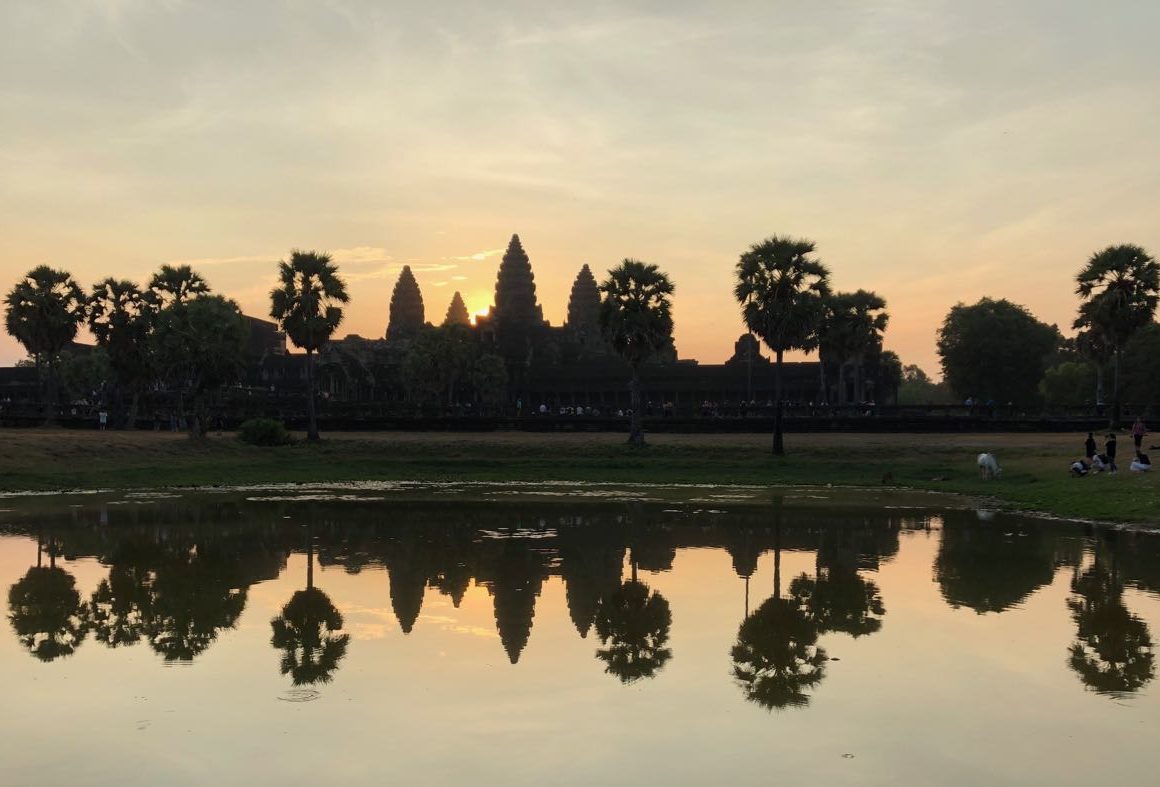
(175, 334)
(997, 351)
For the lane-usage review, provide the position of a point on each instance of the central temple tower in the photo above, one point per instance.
(517, 317)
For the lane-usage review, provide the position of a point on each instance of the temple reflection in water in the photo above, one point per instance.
(178, 574)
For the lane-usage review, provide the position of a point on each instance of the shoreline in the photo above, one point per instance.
(38, 463)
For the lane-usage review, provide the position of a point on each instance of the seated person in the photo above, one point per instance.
(1141, 464)
(1099, 462)
(1079, 468)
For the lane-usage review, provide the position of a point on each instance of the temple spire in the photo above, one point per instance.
(584, 303)
(406, 317)
(457, 312)
(518, 319)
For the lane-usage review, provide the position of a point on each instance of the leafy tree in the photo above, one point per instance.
(489, 379)
(850, 334)
(1068, 383)
(996, 350)
(306, 306)
(43, 312)
(1141, 372)
(83, 375)
(1093, 346)
(200, 346)
(1120, 287)
(887, 376)
(633, 623)
(437, 361)
(782, 291)
(918, 388)
(175, 284)
(636, 319)
(121, 317)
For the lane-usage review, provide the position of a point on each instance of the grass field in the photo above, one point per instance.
(1034, 465)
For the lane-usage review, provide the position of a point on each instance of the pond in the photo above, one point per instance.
(558, 636)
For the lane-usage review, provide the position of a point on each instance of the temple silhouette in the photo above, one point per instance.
(568, 365)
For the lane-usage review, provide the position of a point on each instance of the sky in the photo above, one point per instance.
(936, 152)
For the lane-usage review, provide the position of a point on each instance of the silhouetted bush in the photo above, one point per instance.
(264, 431)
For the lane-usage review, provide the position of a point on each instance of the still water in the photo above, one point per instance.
(290, 637)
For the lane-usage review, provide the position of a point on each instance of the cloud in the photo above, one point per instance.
(392, 270)
(206, 262)
(478, 256)
(361, 255)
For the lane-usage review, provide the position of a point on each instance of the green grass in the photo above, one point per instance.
(1034, 466)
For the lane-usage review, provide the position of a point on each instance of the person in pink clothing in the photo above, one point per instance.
(1138, 432)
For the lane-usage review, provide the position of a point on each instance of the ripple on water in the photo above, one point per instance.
(300, 695)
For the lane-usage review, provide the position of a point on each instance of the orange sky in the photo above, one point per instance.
(935, 151)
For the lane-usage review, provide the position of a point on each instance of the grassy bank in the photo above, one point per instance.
(1034, 466)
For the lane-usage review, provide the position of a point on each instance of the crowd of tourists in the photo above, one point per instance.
(1094, 461)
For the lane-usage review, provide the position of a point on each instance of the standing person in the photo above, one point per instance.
(1138, 432)
(1110, 450)
(1089, 447)
(103, 419)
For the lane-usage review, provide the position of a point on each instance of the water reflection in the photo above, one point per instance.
(45, 608)
(777, 656)
(633, 624)
(307, 631)
(177, 577)
(1112, 653)
(990, 567)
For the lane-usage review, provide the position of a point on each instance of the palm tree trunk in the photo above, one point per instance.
(50, 398)
(635, 434)
(1115, 422)
(778, 446)
(842, 383)
(309, 560)
(777, 548)
(311, 415)
(823, 394)
(131, 417)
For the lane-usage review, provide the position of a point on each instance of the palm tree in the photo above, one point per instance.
(636, 319)
(633, 623)
(175, 284)
(43, 312)
(854, 325)
(1093, 346)
(307, 631)
(120, 318)
(1120, 287)
(306, 306)
(782, 292)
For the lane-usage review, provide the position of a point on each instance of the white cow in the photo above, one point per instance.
(989, 467)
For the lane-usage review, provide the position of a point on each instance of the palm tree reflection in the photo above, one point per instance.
(1112, 653)
(777, 656)
(307, 632)
(45, 609)
(633, 623)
